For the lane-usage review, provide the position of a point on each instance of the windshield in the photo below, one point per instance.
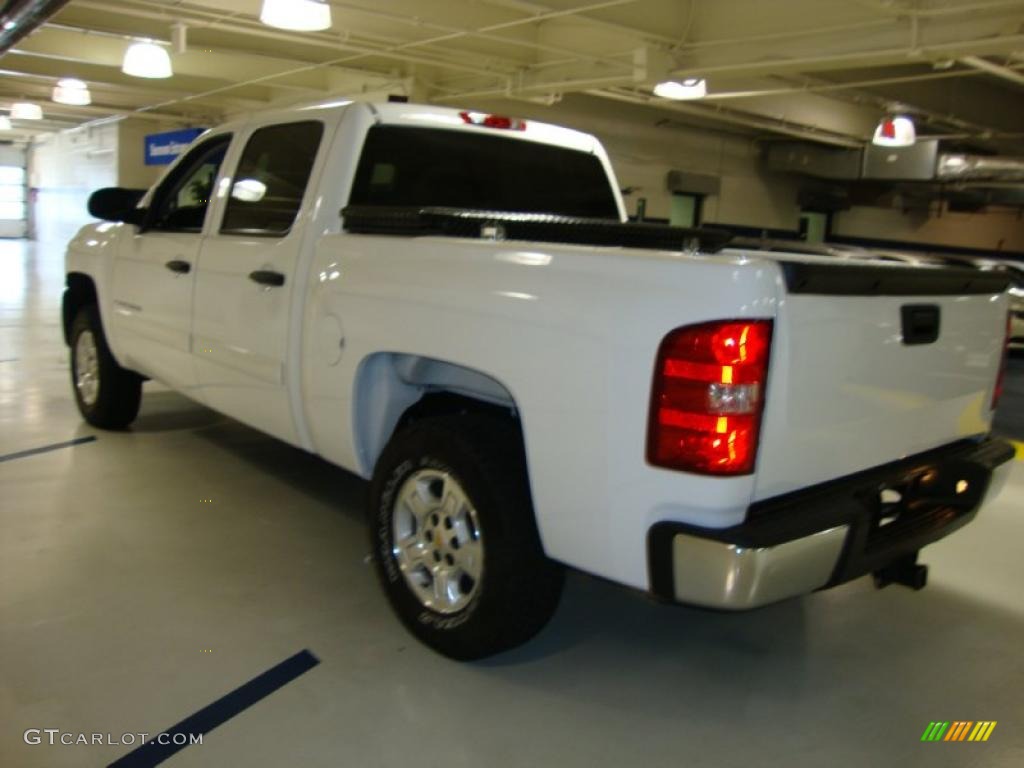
(405, 166)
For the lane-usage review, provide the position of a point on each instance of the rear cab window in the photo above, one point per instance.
(409, 166)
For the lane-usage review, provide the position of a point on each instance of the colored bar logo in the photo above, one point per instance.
(959, 730)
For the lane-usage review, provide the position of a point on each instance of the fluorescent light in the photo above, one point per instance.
(5, 123)
(690, 88)
(146, 60)
(72, 83)
(895, 132)
(73, 92)
(298, 15)
(23, 110)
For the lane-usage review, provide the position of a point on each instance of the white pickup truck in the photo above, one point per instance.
(453, 305)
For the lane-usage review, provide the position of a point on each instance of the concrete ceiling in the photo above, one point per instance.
(825, 70)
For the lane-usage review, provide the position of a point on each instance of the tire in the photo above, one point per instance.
(516, 589)
(108, 396)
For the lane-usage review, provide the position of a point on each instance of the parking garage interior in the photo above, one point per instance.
(191, 569)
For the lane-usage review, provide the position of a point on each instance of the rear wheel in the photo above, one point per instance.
(454, 537)
(108, 395)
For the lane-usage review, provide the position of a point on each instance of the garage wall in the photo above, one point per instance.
(644, 146)
(998, 229)
(64, 169)
(132, 170)
(13, 207)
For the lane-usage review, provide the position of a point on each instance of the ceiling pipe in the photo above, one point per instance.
(741, 117)
(908, 9)
(723, 116)
(535, 9)
(984, 65)
(446, 32)
(21, 18)
(201, 20)
(400, 52)
(975, 167)
(790, 34)
(830, 87)
(853, 59)
(68, 114)
(44, 82)
(386, 52)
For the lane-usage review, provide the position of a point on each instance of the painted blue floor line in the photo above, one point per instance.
(47, 448)
(219, 712)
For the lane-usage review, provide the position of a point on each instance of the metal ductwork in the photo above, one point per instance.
(814, 160)
(977, 167)
(19, 18)
(916, 163)
(693, 183)
(921, 162)
(921, 174)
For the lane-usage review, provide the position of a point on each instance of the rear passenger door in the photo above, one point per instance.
(246, 282)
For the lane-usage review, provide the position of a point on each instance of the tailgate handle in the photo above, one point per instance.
(920, 323)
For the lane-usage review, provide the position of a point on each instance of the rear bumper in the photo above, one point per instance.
(827, 534)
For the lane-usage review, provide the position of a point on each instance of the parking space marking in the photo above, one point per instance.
(47, 448)
(219, 712)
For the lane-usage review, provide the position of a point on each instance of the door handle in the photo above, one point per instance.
(267, 277)
(179, 266)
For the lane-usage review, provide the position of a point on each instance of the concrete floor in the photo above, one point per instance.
(127, 603)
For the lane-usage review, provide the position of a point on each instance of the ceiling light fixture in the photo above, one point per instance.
(24, 110)
(147, 59)
(895, 132)
(73, 92)
(5, 123)
(688, 89)
(296, 15)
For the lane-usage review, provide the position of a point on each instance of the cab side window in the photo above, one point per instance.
(271, 179)
(181, 203)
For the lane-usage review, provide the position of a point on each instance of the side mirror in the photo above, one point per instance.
(136, 216)
(117, 204)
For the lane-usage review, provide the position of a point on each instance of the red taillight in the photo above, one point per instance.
(493, 121)
(708, 396)
(998, 391)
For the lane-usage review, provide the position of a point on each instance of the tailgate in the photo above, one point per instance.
(858, 377)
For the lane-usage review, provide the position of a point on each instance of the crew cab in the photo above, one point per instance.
(454, 306)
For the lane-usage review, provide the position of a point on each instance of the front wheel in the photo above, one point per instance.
(108, 395)
(454, 538)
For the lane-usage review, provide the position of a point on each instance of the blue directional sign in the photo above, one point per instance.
(162, 148)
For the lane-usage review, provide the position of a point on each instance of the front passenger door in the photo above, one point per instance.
(154, 272)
